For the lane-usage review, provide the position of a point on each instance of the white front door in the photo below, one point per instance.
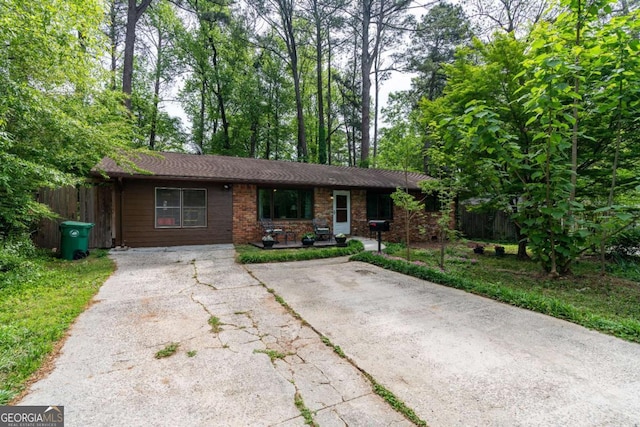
(341, 212)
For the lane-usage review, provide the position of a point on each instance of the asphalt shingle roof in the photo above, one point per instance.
(257, 171)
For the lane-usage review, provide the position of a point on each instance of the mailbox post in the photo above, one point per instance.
(379, 225)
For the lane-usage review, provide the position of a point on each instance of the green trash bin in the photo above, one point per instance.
(74, 243)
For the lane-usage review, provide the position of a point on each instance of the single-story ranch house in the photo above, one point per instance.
(185, 199)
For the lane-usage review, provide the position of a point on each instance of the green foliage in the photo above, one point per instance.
(215, 324)
(273, 354)
(304, 411)
(441, 30)
(625, 244)
(447, 189)
(400, 144)
(39, 299)
(252, 255)
(168, 350)
(411, 207)
(56, 120)
(396, 403)
(517, 120)
(15, 253)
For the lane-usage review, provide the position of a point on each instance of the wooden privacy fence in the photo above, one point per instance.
(493, 225)
(86, 204)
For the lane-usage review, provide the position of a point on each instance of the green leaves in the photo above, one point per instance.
(56, 121)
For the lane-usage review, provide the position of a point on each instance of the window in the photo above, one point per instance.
(379, 206)
(181, 207)
(285, 203)
(432, 203)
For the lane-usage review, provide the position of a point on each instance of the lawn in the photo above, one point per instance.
(248, 254)
(609, 303)
(39, 299)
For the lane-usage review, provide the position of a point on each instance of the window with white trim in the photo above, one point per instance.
(181, 207)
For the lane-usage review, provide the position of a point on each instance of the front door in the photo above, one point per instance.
(341, 212)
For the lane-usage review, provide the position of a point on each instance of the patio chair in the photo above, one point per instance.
(269, 228)
(321, 229)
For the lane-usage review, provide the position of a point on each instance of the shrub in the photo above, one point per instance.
(15, 252)
(625, 244)
(259, 256)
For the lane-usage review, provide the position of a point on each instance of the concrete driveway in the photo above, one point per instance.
(454, 358)
(461, 360)
(249, 372)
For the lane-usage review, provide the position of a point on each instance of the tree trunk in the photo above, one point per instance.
(376, 101)
(218, 93)
(133, 14)
(302, 137)
(522, 244)
(574, 135)
(113, 41)
(199, 137)
(366, 63)
(322, 144)
(329, 116)
(254, 138)
(156, 94)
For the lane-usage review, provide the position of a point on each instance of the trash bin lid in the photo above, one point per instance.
(76, 224)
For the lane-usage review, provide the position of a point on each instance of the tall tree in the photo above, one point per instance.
(160, 32)
(115, 26)
(322, 15)
(134, 12)
(282, 15)
(433, 43)
(521, 150)
(56, 119)
(374, 17)
(510, 16)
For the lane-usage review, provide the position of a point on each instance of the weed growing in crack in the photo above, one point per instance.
(215, 324)
(396, 403)
(335, 348)
(286, 306)
(169, 350)
(304, 411)
(191, 353)
(273, 354)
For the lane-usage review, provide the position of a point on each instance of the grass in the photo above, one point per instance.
(273, 354)
(610, 304)
(39, 299)
(397, 404)
(215, 324)
(304, 411)
(248, 254)
(169, 350)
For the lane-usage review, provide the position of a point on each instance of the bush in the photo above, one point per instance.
(15, 252)
(625, 244)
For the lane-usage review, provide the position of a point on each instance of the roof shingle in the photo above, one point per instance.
(257, 171)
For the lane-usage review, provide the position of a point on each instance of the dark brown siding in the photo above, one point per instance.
(138, 215)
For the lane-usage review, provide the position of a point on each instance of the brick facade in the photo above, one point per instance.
(246, 226)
